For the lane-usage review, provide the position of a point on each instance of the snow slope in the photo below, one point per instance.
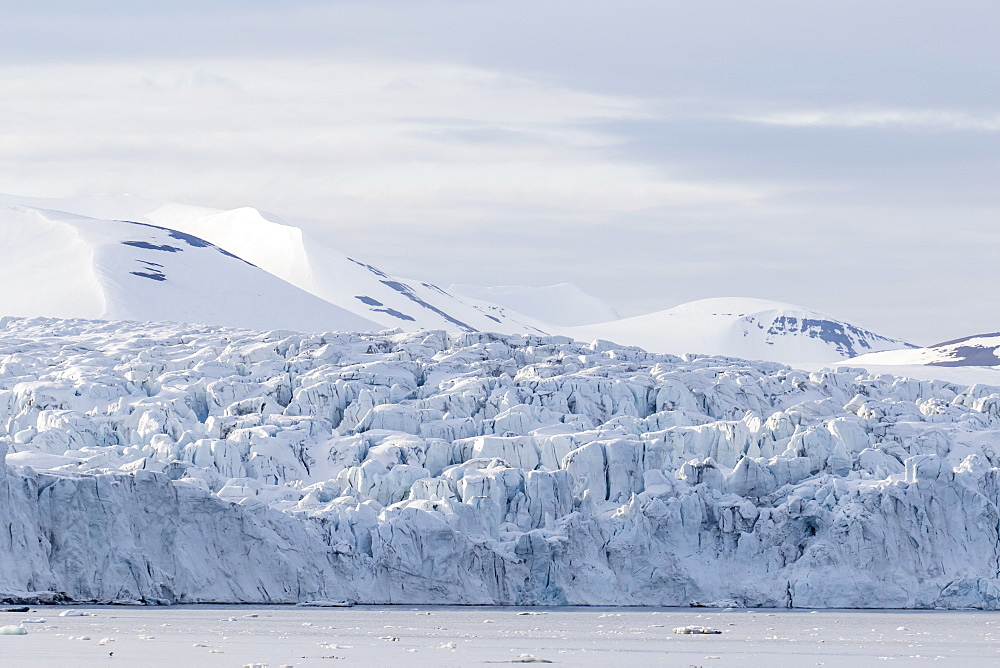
(205, 464)
(302, 260)
(58, 264)
(560, 304)
(980, 350)
(969, 360)
(745, 328)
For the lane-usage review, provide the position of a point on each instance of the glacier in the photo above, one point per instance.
(170, 463)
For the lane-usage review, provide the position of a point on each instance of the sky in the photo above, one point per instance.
(842, 156)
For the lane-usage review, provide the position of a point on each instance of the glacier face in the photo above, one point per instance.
(181, 464)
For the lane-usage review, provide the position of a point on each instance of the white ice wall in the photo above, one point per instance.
(181, 464)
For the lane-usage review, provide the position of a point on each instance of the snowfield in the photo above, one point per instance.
(178, 463)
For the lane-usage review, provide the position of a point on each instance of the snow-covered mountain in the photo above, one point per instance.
(747, 328)
(982, 350)
(174, 463)
(63, 265)
(742, 327)
(562, 304)
(297, 257)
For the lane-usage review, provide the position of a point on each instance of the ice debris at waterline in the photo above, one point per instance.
(173, 463)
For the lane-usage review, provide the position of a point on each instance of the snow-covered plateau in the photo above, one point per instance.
(182, 463)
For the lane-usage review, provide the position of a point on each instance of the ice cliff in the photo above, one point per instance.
(179, 464)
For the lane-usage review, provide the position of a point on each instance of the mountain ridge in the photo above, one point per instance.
(125, 270)
(750, 328)
(736, 327)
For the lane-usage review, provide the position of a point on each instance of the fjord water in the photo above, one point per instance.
(207, 635)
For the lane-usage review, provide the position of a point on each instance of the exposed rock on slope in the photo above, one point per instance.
(481, 469)
(977, 350)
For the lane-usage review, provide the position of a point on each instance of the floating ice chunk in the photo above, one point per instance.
(696, 630)
(76, 613)
(448, 645)
(529, 658)
(13, 631)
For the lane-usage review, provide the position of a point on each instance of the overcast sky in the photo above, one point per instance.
(838, 155)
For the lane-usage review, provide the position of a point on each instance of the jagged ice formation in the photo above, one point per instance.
(179, 463)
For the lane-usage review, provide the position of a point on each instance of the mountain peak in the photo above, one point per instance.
(744, 327)
(129, 270)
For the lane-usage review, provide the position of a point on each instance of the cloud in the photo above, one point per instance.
(929, 119)
(651, 152)
(436, 142)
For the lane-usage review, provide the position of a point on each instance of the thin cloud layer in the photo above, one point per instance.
(931, 119)
(840, 156)
(359, 143)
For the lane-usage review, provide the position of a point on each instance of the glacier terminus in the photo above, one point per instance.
(187, 463)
